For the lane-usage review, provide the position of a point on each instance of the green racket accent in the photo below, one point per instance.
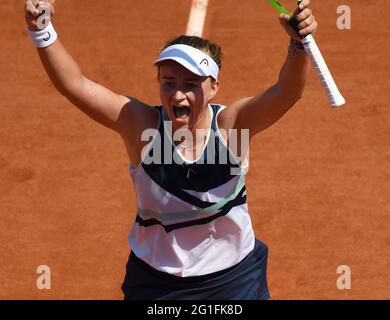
(293, 22)
(279, 7)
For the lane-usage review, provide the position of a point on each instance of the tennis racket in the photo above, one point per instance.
(334, 96)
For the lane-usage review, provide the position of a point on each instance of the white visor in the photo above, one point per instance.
(190, 58)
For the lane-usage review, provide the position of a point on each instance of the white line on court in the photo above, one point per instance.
(197, 18)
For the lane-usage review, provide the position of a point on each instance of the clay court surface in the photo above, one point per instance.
(319, 179)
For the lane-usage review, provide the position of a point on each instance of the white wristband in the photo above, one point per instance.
(43, 38)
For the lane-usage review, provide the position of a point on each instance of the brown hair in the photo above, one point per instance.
(208, 47)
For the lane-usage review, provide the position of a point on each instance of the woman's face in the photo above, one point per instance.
(185, 95)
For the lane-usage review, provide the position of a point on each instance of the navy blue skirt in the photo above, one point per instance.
(245, 281)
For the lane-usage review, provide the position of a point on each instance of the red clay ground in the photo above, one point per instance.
(319, 181)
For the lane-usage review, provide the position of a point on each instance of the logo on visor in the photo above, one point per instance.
(204, 62)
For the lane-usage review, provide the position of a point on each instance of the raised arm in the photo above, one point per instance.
(102, 105)
(259, 112)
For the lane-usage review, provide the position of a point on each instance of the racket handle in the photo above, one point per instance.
(293, 21)
(334, 96)
(327, 81)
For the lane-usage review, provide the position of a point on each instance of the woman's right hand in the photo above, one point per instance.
(32, 14)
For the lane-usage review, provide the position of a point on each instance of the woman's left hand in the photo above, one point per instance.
(306, 21)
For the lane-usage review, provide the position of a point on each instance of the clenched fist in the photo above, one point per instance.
(38, 13)
(306, 21)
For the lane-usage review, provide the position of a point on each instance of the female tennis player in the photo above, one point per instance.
(192, 237)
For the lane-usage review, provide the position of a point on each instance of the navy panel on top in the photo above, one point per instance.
(199, 176)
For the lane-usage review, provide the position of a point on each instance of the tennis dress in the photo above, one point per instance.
(192, 237)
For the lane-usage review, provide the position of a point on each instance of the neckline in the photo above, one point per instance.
(176, 148)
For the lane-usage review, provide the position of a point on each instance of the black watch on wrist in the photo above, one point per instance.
(297, 44)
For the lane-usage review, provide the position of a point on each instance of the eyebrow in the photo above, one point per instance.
(191, 79)
(186, 79)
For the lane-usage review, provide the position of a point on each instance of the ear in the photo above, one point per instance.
(214, 88)
(158, 73)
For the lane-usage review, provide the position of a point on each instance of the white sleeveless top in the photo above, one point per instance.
(192, 217)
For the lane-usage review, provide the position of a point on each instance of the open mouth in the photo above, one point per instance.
(181, 112)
